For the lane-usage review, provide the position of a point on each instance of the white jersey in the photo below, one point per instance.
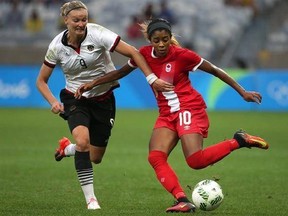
(90, 61)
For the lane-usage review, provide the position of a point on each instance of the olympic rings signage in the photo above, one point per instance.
(278, 91)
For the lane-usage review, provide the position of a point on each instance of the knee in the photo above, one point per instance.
(194, 165)
(81, 137)
(82, 145)
(97, 154)
(195, 161)
(96, 160)
(157, 157)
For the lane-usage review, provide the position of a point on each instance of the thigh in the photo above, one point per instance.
(193, 121)
(102, 122)
(97, 153)
(78, 117)
(163, 139)
(76, 111)
(191, 143)
(99, 134)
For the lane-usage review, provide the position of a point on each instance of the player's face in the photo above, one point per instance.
(76, 21)
(161, 41)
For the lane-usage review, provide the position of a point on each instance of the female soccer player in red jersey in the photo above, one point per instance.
(182, 111)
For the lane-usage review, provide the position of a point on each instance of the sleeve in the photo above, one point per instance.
(107, 38)
(51, 56)
(131, 63)
(192, 60)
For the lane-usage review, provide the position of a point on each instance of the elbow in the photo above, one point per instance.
(134, 48)
(39, 83)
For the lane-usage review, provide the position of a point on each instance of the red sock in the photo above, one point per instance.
(211, 154)
(165, 174)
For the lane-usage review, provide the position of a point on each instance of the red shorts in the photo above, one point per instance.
(185, 122)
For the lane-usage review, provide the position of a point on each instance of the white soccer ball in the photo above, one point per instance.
(207, 195)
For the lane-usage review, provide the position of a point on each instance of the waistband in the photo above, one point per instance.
(102, 97)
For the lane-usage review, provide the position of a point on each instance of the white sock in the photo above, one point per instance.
(88, 191)
(70, 150)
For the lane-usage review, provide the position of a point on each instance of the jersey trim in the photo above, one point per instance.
(49, 64)
(64, 41)
(196, 67)
(131, 64)
(152, 53)
(115, 44)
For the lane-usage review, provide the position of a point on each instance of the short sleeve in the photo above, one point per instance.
(51, 56)
(191, 59)
(132, 63)
(106, 37)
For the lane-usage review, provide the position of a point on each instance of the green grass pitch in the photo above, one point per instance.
(254, 181)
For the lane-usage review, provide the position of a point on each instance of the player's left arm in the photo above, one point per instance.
(109, 77)
(249, 96)
(131, 52)
(42, 85)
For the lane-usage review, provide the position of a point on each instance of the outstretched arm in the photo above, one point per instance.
(131, 52)
(109, 77)
(249, 96)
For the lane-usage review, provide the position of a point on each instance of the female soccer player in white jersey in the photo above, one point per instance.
(182, 114)
(82, 51)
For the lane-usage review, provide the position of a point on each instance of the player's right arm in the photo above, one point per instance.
(42, 85)
(249, 96)
(109, 77)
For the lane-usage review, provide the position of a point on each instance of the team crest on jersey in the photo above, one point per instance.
(90, 47)
(168, 67)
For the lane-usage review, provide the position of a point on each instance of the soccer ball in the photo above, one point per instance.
(207, 195)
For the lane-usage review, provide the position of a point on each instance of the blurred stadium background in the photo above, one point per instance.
(246, 37)
(231, 33)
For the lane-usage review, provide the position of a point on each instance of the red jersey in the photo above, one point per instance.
(174, 68)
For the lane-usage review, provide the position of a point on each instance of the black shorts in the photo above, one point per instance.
(97, 114)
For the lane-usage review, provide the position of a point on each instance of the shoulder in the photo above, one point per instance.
(180, 50)
(146, 53)
(145, 49)
(96, 28)
(188, 59)
(57, 40)
(184, 52)
(100, 34)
